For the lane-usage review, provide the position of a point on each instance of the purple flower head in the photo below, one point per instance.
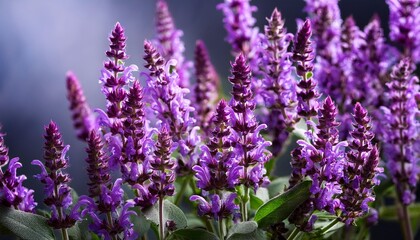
(278, 86)
(217, 208)
(58, 193)
(326, 22)
(98, 169)
(404, 24)
(168, 103)
(303, 56)
(402, 130)
(217, 170)
(249, 146)
(239, 24)
(12, 191)
(115, 76)
(322, 160)
(361, 169)
(170, 44)
(206, 89)
(81, 113)
(163, 166)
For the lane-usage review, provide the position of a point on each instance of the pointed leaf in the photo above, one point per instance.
(280, 207)
(25, 225)
(192, 234)
(278, 185)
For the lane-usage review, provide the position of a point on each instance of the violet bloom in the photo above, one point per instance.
(82, 116)
(361, 169)
(170, 44)
(217, 169)
(206, 88)
(218, 208)
(322, 160)
(168, 103)
(115, 77)
(239, 24)
(404, 24)
(57, 191)
(401, 137)
(278, 87)
(249, 146)
(303, 56)
(12, 192)
(133, 165)
(163, 166)
(107, 197)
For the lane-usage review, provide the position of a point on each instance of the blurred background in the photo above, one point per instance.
(41, 40)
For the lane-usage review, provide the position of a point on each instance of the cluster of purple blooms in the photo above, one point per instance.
(327, 77)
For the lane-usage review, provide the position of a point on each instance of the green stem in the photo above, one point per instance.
(109, 219)
(161, 227)
(221, 232)
(329, 226)
(208, 224)
(406, 223)
(293, 234)
(180, 194)
(244, 206)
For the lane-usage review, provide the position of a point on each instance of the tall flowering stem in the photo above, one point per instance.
(303, 56)
(170, 44)
(361, 169)
(58, 193)
(168, 103)
(81, 112)
(239, 24)
(278, 88)
(250, 147)
(163, 176)
(107, 196)
(404, 24)
(401, 136)
(322, 160)
(218, 171)
(12, 192)
(206, 88)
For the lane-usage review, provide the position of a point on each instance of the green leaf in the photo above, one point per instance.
(278, 186)
(246, 231)
(25, 225)
(390, 213)
(280, 207)
(192, 234)
(170, 212)
(74, 233)
(259, 198)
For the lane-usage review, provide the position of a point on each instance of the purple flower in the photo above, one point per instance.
(12, 191)
(170, 44)
(249, 146)
(57, 191)
(82, 115)
(206, 88)
(404, 24)
(361, 169)
(322, 160)
(303, 56)
(402, 130)
(115, 76)
(217, 170)
(278, 88)
(163, 166)
(168, 103)
(217, 208)
(239, 24)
